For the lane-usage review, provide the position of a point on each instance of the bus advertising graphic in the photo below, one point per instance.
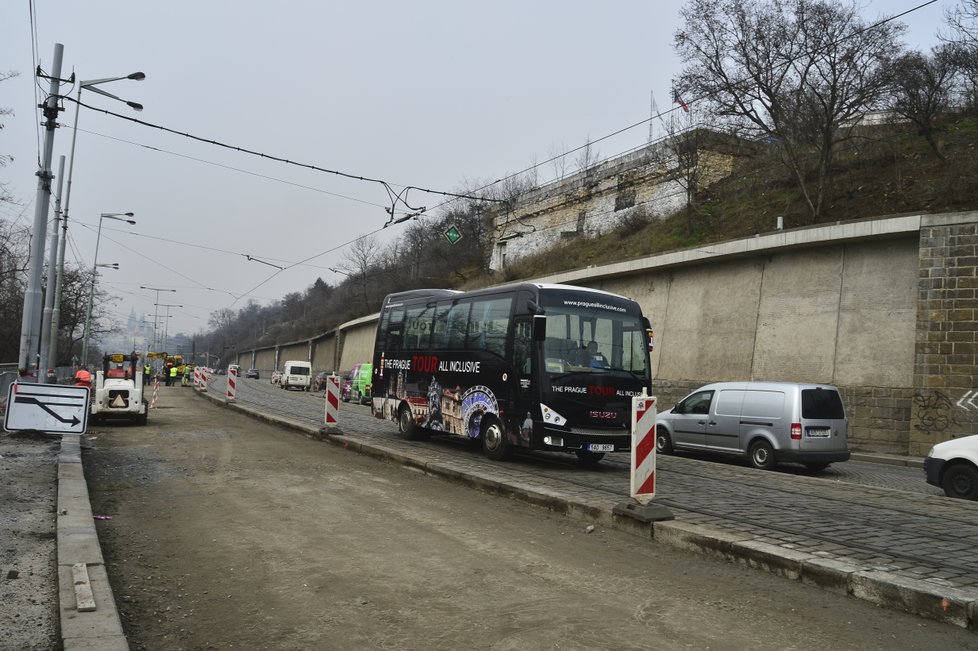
(547, 367)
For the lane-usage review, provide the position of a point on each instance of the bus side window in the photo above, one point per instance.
(522, 340)
(458, 323)
(439, 331)
(393, 328)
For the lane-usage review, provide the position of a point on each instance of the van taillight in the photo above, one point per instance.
(796, 431)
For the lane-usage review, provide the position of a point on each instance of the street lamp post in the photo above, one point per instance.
(166, 323)
(59, 276)
(155, 316)
(119, 216)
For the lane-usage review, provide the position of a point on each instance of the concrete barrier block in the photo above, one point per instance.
(770, 558)
(944, 604)
(693, 537)
(828, 573)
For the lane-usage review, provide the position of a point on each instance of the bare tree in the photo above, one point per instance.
(962, 43)
(587, 156)
(923, 86)
(678, 155)
(5, 158)
(357, 264)
(792, 72)
(558, 160)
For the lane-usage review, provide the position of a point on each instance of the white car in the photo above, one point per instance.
(953, 466)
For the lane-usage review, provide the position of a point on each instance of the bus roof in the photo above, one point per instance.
(415, 294)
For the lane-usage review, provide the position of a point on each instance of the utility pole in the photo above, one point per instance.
(47, 353)
(30, 326)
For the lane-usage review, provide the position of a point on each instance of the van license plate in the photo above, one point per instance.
(601, 447)
(821, 433)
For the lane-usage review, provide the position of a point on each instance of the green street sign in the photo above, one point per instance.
(453, 234)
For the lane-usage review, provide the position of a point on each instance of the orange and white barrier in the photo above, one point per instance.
(156, 393)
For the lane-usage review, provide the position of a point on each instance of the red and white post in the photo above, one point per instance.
(643, 449)
(232, 384)
(643, 466)
(332, 404)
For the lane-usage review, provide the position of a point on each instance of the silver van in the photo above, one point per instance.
(765, 422)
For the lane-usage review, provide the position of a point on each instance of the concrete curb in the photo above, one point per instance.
(99, 629)
(866, 582)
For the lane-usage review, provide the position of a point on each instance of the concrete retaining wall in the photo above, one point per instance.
(885, 309)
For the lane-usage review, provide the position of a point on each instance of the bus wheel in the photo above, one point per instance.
(589, 458)
(494, 443)
(406, 426)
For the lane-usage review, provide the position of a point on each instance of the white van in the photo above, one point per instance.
(296, 375)
(766, 422)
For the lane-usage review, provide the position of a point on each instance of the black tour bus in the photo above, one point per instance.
(537, 366)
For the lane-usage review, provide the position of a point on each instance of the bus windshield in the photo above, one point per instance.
(585, 341)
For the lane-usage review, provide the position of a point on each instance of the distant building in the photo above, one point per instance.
(596, 200)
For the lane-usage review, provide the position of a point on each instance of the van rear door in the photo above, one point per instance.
(824, 427)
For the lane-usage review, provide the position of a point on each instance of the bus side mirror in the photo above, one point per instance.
(539, 327)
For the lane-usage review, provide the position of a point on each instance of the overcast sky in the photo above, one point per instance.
(438, 94)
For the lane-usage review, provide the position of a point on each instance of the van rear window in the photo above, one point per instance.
(821, 404)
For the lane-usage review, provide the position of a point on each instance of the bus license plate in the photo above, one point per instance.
(601, 447)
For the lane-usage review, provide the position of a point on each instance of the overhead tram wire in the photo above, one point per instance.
(233, 169)
(143, 255)
(200, 246)
(396, 197)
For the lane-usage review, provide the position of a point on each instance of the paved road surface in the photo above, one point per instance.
(226, 532)
(871, 515)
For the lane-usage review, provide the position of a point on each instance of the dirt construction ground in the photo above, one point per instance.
(220, 532)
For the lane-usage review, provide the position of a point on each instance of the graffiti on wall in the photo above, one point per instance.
(936, 412)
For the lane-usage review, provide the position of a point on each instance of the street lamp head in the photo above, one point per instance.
(136, 106)
(137, 76)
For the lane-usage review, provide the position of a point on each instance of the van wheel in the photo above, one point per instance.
(407, 428)
(663, 442)
(494, 443)
(761, 455)
(589, 458)
(816, 467)
(961, 481)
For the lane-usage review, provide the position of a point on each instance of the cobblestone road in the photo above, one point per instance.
(881, 516)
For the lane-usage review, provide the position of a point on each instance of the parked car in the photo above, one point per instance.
(765, 422)
(357, 384)
(953, 466)
(319, 382)
(252, 373)
(276, 377)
